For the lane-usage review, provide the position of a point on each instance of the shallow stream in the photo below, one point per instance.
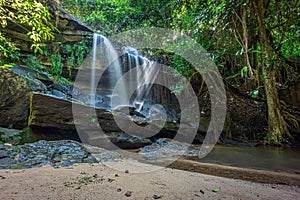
(264, 158)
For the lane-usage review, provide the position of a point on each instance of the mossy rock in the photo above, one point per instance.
(14, 100)
(14, 136)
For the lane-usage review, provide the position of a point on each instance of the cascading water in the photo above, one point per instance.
(104, 52)
(145, 74)
(96, 38)
(131, 91)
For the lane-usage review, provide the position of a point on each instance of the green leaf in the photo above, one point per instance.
(244, 71)
(216, 190)
(254, 93)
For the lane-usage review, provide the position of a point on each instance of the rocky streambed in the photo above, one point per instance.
(65, 153)
(164, 152)
(55, 153)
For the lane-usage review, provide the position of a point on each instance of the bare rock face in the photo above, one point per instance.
(72, 29)
(14, 100)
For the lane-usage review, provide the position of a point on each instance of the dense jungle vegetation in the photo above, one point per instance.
(254, 43)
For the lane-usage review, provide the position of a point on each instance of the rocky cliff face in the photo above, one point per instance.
(70, 29)
(14, 100)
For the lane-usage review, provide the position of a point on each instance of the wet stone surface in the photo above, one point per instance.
(166, 148)
(54, 153)
(103, 155)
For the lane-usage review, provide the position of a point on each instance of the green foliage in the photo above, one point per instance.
(60, 79)
(56, 64)
(25, 13)
(244, 71)
(32, 62)
(70, 55)
(105, 16)
(181, 65)
(254, 93)
(76, 52)
(7, 49)
(6, 66)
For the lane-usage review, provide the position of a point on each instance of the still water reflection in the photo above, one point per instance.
(266, 158)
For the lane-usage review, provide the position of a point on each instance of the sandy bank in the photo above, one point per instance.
(100, 181)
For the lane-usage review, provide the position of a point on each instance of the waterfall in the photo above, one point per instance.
(144, 74)
(96, 38)
(128, 87)
(106, 56)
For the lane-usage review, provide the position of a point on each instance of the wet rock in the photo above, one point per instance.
(54, 153)
(126, 141)
(14, 100)
(58, 93)
(103, 155)
(40, 82)
(166, 148)
(12, 136)
(32, 74)
(68, 90)
(129, 110)
(36, 85)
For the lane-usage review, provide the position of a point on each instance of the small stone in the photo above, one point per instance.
(95, 175)
(128, 193)
(119, 190)
(110, 180)
(116, 175)
(202, 191)
(126, 171)
(77, 188)
(157, 196)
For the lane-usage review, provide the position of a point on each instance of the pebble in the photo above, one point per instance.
(128, 193)
(110, 180)
(157, 196)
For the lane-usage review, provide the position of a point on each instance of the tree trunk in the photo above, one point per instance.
(277, 127)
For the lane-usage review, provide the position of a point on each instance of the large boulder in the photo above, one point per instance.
(53, 118)
(14, 100)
